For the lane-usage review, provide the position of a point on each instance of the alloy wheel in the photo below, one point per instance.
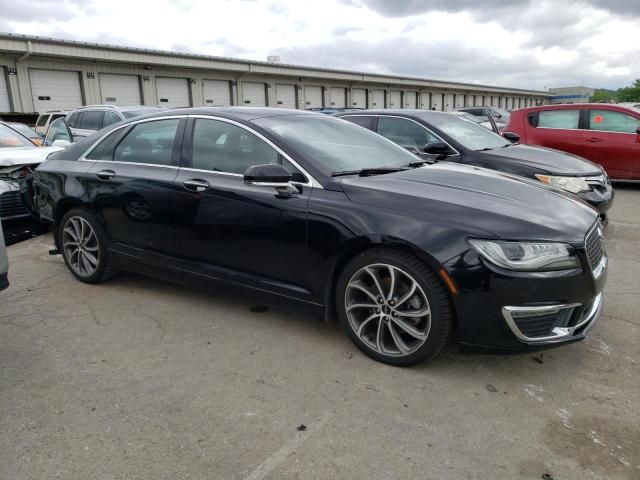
(80, 246)
(387, 309)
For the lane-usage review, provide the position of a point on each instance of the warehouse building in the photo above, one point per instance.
(43, 74)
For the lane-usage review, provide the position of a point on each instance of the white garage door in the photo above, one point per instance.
(5, 106)
(410, 100)
(377, 99)
(338, 97)
(312, 97)
(359, 98)
(448, 102)
(286, 96)
(436, 101)
(425, 100)
(216, 93)
(121, 90)
(395, 99)
(55, 90)
(173, 92)
(254, 94)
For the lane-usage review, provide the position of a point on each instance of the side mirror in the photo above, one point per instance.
(512, 137)
(269, 175)
(638, 130)
(436, 148)
(61, 143)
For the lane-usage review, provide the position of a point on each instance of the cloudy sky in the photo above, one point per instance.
(518, 43)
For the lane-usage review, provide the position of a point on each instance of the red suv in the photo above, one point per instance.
(603, 133)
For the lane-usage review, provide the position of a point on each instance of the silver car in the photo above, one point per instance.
(4, 262)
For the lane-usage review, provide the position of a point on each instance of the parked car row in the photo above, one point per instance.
(406, 249)
(437, 136)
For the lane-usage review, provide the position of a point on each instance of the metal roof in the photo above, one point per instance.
(155, 57)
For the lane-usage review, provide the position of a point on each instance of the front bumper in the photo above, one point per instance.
(508, 312)
(600, 197)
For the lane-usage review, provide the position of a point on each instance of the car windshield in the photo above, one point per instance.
(24, 130)
(336, 145)
(139, 113)
(467, 133)
(9, 138)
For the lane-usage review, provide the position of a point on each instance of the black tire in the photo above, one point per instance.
(441, 310)
(104, 269)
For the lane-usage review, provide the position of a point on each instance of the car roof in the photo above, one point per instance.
(236, 113)
(568, 106)
(401, 112)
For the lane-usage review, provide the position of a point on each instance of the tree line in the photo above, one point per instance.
(624, 94)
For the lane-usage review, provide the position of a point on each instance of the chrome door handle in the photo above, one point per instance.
(106, 174)
(594, 139)
(196, 185)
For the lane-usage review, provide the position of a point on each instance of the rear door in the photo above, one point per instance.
(559, 129)
(226, 229)
(613, 141)
(131, 186)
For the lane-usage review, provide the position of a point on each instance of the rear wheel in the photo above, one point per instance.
(83, 246)
(393, 307)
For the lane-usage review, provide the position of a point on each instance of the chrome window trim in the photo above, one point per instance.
(559, 332)
(403, 118)
(83, 158)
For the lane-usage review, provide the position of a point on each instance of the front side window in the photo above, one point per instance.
(149, 142)
(406, 133)
(57, 131)
(223, 147)
(92, 120)
(612, 121)
(567, 119)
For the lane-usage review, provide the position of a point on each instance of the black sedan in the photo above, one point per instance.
(321, 211)
(446, 136)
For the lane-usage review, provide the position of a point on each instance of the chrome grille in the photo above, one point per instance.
(12, 206)
(594, 245)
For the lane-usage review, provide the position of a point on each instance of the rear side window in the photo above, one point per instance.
(42, 120)
(567, 119)
(612, 121)
(92, 120)
(363, 121)
(149, 142)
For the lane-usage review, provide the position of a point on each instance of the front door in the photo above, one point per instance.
(228, 230)
(131, 184)
(612, 140)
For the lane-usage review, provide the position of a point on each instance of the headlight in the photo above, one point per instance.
(570, 184)
(526, 256)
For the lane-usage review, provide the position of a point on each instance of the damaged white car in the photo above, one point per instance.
(18, 159)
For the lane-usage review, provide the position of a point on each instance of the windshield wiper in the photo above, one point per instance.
(484, 149)
(365, 172)
(419, 163)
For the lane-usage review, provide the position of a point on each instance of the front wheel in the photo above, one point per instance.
(83, 246)
(393, 307)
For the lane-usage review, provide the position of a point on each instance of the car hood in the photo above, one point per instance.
(551, 161)
(24, 156)
(478, 201)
